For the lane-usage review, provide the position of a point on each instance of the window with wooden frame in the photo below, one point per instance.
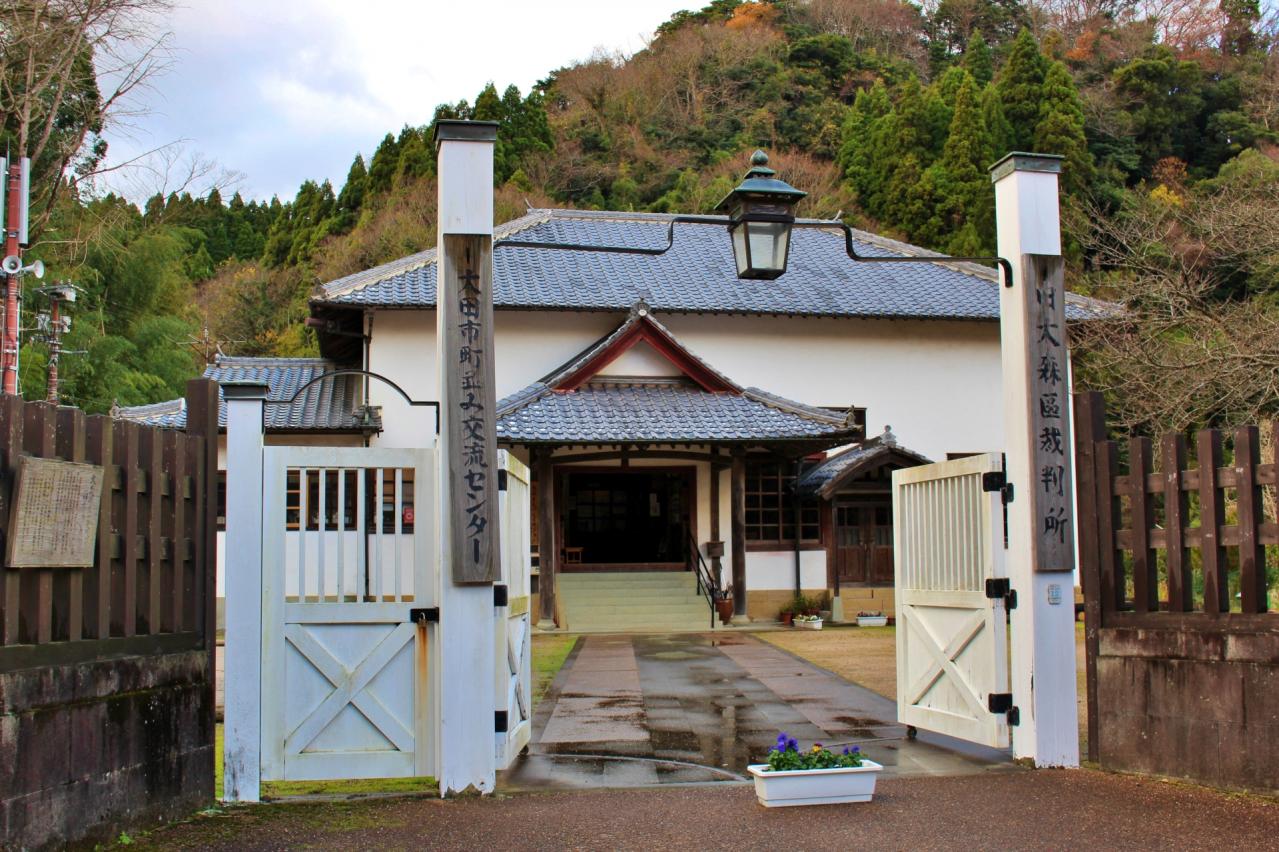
(770, 507)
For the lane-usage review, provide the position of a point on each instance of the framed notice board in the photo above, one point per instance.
(53, 519)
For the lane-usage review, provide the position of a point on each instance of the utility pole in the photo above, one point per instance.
(17, 189)
(52, 326)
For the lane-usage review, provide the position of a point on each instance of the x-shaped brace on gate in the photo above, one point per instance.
(943, 658)
(348, 687)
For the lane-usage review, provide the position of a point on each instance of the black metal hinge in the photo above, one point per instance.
(995, 480)
(1002, 702)
(499, 721)
(425, 615)
(1002, 587)
(501, 480)
(500, 597)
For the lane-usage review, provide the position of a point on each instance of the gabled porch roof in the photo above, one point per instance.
(831, 475)
(575, 404)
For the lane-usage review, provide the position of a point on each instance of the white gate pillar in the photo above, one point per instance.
(467, 513)
(242, 675)
(1039, 565)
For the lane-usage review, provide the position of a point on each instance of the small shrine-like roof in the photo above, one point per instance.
(829, 476)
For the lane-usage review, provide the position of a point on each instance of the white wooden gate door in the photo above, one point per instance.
(348, 554)
(514, 628)
(952, 651)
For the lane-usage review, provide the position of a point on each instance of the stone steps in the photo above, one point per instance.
(633, 601)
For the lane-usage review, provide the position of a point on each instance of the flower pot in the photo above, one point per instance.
(724, 607)
(814, 786)
(809, 625)
(872, 621)
(787, 618)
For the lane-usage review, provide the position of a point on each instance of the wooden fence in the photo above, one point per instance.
(1182, 652)
(129, 639)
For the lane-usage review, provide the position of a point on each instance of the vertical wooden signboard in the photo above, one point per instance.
(1052, 499)
(470, 402)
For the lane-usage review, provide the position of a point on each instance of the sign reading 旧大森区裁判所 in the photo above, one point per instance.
(53, 522)
(469, 404)
(1052, 500)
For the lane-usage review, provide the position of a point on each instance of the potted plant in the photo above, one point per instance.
(724, 605)
(871, 619)
(808, 622)
(786, 615)
(814, 777)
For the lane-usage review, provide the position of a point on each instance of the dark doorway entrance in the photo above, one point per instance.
(626, 519)
(864, 540)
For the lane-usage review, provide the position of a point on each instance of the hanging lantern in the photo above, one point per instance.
(761, 212)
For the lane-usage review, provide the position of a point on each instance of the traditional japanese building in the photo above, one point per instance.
(680, 422)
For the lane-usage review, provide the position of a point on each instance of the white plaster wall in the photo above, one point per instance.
(776, 570)
(641, 360)
(936, 383)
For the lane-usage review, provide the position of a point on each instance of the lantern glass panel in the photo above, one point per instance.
(767, 244)
(741, 254)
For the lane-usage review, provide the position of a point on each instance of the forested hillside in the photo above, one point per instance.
(1167, 112)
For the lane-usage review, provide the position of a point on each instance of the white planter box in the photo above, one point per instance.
(809, 625)
(815, 786)
(872, 621)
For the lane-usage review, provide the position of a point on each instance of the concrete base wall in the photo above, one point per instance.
(764, 604)
(867, 599)
(1199, 706)
(88, 750)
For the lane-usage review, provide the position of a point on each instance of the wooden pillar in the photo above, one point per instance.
(1090, 427)
(1035, 385)
(718, 540)
(738, 521)
(547, 541)
(243, 678)
(462, 647)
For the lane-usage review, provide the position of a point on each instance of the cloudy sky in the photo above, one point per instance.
(284, 90)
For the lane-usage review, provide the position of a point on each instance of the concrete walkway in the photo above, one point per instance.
(633, 711)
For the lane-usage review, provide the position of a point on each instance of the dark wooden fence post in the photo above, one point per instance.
(1252, 554)
(1181, 590)
(1212, 517)
(1145, 585)
(98, 578)
(70, 439)
(202, 424)
(1090, 428)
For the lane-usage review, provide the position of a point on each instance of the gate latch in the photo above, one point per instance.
(1002, 702)
(1002, 587)
(996, 480)
(425, 615)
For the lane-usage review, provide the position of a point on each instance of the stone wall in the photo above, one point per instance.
(1190, 705)
(90, 749)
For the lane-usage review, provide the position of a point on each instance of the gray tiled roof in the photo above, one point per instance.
(829, 474)
(696, 275)
(326, 405)
(659, 412)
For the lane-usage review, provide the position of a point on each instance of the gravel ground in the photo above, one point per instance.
(1046, 809)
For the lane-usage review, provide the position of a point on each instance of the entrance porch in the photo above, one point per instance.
(646, 460)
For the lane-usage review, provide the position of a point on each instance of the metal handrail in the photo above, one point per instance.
(707, 586)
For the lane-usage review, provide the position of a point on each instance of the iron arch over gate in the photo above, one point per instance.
(368, 374)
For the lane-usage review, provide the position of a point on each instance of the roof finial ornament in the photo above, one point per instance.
(640, 308)
(888, 437)
(759, 158)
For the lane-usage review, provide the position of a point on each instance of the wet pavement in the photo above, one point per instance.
(636, 711)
